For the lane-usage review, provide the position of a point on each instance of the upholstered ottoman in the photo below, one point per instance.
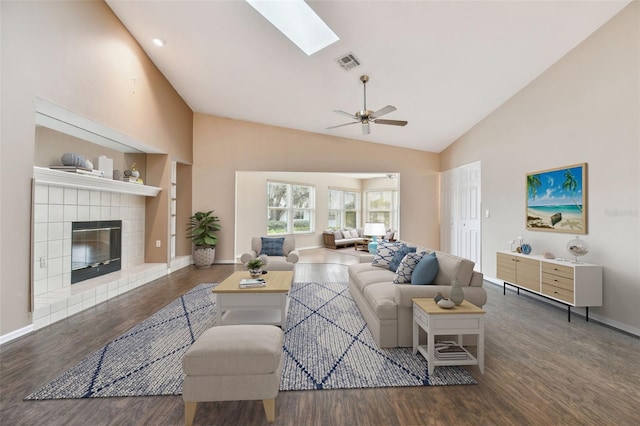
(233, 363)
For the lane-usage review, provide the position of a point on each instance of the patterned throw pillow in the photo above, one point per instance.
(399, 255)
(408, 264)
(385, 253)
(272, 246)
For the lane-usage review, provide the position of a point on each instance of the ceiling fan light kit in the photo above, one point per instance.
(365, 116)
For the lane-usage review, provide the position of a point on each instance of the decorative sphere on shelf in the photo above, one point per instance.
(577, 248)
(72, 159)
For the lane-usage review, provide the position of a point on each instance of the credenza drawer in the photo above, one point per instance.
(557, 281)
(557, 292)
(561, 270)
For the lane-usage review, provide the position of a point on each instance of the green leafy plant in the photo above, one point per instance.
(202, 228)
(254, 264)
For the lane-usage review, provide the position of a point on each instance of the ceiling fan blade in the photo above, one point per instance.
(346, 113)
(365, 129)
(392, 122)
(340, 125)
(383, 111)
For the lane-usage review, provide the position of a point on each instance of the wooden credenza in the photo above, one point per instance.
(573, 284)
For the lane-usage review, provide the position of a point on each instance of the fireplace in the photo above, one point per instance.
(95, 249)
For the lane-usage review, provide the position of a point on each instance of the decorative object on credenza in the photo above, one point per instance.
(72, 159)
(202, 230)
(117, 175)
(548, 255)
(456, 294)
(438, 297)
(557, 200)
(374, 230)
(577, 248)
(525, 248)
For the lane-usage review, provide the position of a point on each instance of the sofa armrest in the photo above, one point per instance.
(477, 279)
(329, 240)
(293, 256)
(406, 292)
(251, 254)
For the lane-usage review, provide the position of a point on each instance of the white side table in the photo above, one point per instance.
(459, 320)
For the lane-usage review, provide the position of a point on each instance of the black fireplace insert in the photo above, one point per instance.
(96, 248)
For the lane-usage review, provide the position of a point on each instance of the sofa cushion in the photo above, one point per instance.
(426, 270)
(399, 255)
(449, 267)
(408, 264)
(272, 246)
(385, 253)
(381, 297)
(337, 235)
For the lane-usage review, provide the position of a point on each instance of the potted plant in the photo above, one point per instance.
(254, 266)
(202, 231)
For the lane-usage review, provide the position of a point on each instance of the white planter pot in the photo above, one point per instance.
(203, 257)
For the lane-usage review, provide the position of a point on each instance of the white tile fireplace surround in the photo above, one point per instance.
(61, 198)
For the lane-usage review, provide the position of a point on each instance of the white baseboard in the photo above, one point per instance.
(592, 316)
(15, 334)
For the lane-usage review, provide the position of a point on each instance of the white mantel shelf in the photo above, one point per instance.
(47, 176)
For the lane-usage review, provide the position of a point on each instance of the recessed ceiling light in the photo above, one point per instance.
(159, 42)
(296, 20)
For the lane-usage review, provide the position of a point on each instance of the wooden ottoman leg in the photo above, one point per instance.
(270, 409)
(189, 412)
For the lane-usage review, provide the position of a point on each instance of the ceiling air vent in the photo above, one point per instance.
(348, 61)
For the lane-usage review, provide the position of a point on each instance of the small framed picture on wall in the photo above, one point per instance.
(557, 200)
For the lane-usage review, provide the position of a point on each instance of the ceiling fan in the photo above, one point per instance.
(366, 116)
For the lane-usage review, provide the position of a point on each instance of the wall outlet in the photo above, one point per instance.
(158, 244)
(43, 262)
(487, 213)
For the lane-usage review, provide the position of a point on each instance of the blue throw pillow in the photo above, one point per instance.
(272, 246)
(399, 255)
(426, 270)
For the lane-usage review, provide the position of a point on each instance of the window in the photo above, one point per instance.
(382, 207)
(343, 209)
(290, 208)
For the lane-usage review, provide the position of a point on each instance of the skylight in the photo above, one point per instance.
(296, 20)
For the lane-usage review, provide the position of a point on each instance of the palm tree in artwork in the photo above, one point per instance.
(570, 184)
(533, 183)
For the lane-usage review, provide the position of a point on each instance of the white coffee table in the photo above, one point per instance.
(459, 320)
(263, 305)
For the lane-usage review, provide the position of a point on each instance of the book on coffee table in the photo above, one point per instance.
(252, 283)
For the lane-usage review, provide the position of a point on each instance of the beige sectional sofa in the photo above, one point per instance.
(387, 307)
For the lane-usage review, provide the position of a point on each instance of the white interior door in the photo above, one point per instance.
(461, 212)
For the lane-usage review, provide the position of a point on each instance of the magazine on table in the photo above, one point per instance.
(252, 283)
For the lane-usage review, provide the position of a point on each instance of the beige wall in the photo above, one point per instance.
(79, 56)
(223, 146)
(585, 108)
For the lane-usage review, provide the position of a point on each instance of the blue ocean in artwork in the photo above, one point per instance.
(565, 210)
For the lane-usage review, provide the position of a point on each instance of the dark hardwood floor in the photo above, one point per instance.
(539, 369)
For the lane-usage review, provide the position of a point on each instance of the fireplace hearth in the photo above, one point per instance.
(96, 249)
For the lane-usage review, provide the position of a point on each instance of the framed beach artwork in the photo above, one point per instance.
(557, 200)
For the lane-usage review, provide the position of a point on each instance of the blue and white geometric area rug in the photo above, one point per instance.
(327, 345)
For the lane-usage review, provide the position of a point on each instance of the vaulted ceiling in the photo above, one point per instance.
(445, 65)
